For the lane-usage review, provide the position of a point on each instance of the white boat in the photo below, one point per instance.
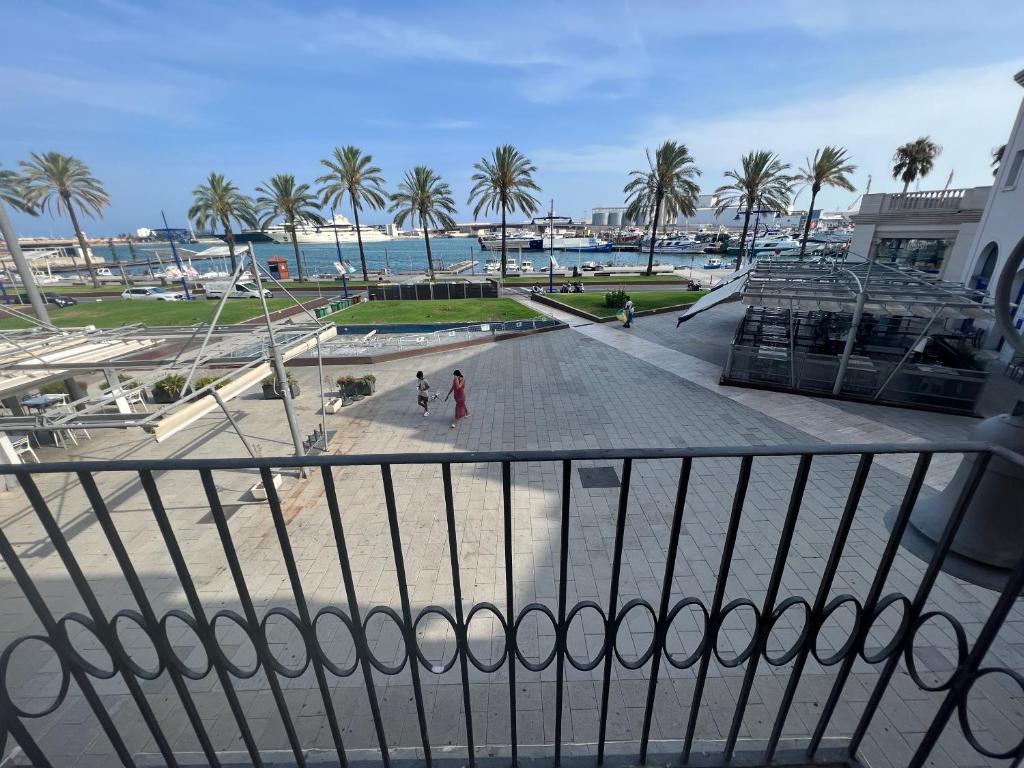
(511, 265)
(526, 266)
(713, 263)
(523, 240)
(579, 244)
(685, 244)
(492, 266)
(455, 233)
(324, 234)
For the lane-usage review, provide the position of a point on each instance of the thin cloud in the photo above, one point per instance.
(128, 96)
(870, 120)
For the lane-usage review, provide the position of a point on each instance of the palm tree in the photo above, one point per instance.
(218, 200)
(914, 160)
(12, 191)
(762, 181)
(352, 173)
(423, 195)
(504, 183)
(60, 183)
(667, 186)
(829, 168)
(997, 158)
(282, 197)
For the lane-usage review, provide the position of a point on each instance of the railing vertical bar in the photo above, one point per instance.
(309, 634)
(561, 631)
(899, 527)
(358, 634)
(159, 639)
(28, 744)
(711, 631)
(206, 634)
(510, 634)
(256, 636)
(661, 630)
(403, 592)
(828, 576)
(59, 640)
(461, 639)
(921, 597)
(611, 624)
(964, 674)
(103, 628)
(768, 606)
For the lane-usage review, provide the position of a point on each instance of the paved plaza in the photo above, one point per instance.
(585, 387)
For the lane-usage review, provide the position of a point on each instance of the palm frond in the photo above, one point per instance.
(504, 181)
(424, 195)
(53, 182)
(762, 177)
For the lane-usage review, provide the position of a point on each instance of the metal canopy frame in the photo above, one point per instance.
(886, 290)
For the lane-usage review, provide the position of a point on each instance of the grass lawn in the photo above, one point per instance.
(112, 313)
(437, 311)
(642, 300)
(541, 279)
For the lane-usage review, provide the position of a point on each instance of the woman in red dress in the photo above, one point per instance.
(458, 389)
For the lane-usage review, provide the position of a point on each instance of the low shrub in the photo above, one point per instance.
(615, 299)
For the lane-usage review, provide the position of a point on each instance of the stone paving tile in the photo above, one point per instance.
(567, 389)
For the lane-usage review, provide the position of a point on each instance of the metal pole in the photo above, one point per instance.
(213, 322)
(231, 420)
(278, 363)
(27, 280)
(910, 350)
(851, 336)
(323, 399)
(337, 245)
(174, 252)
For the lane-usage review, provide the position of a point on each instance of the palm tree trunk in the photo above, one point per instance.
(230, 238)
(426, 240)
(359, 236)
(654, 233)
(807, 224)
(906, 184)
(81, 243)
(503, 250)
(743, 238)
(295, 247)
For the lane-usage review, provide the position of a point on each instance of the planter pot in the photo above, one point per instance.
(364, 387)
(349, 389)
(334, 405)
(259, 492)
(162, 397)
(270, 392)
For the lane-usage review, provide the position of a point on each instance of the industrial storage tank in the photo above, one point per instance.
(615, 218)
(599, 218)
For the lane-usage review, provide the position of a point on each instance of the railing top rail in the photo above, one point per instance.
(493, 457)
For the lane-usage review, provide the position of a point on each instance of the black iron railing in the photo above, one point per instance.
(16, 720)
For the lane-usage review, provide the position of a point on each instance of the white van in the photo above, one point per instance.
(248, 290)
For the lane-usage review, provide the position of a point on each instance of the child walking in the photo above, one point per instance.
(422, 398)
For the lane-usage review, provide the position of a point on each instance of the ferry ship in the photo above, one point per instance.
(324, 234)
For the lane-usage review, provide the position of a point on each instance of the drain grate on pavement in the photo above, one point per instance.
(599, 477)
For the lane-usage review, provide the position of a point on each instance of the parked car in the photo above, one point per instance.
(247, 290)
(153, 293)
(51, 298)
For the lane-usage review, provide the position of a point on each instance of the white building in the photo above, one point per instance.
(1000, 232)
(932, 231)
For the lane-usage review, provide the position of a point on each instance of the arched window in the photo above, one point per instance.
(985, 266)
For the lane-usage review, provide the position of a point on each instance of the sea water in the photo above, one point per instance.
(407, 255)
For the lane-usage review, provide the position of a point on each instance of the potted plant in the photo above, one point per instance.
(348, 386)
(366, 385)
(272, 389)
(207, 380)
(169, 389)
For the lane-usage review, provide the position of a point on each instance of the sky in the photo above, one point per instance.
(155, 95)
